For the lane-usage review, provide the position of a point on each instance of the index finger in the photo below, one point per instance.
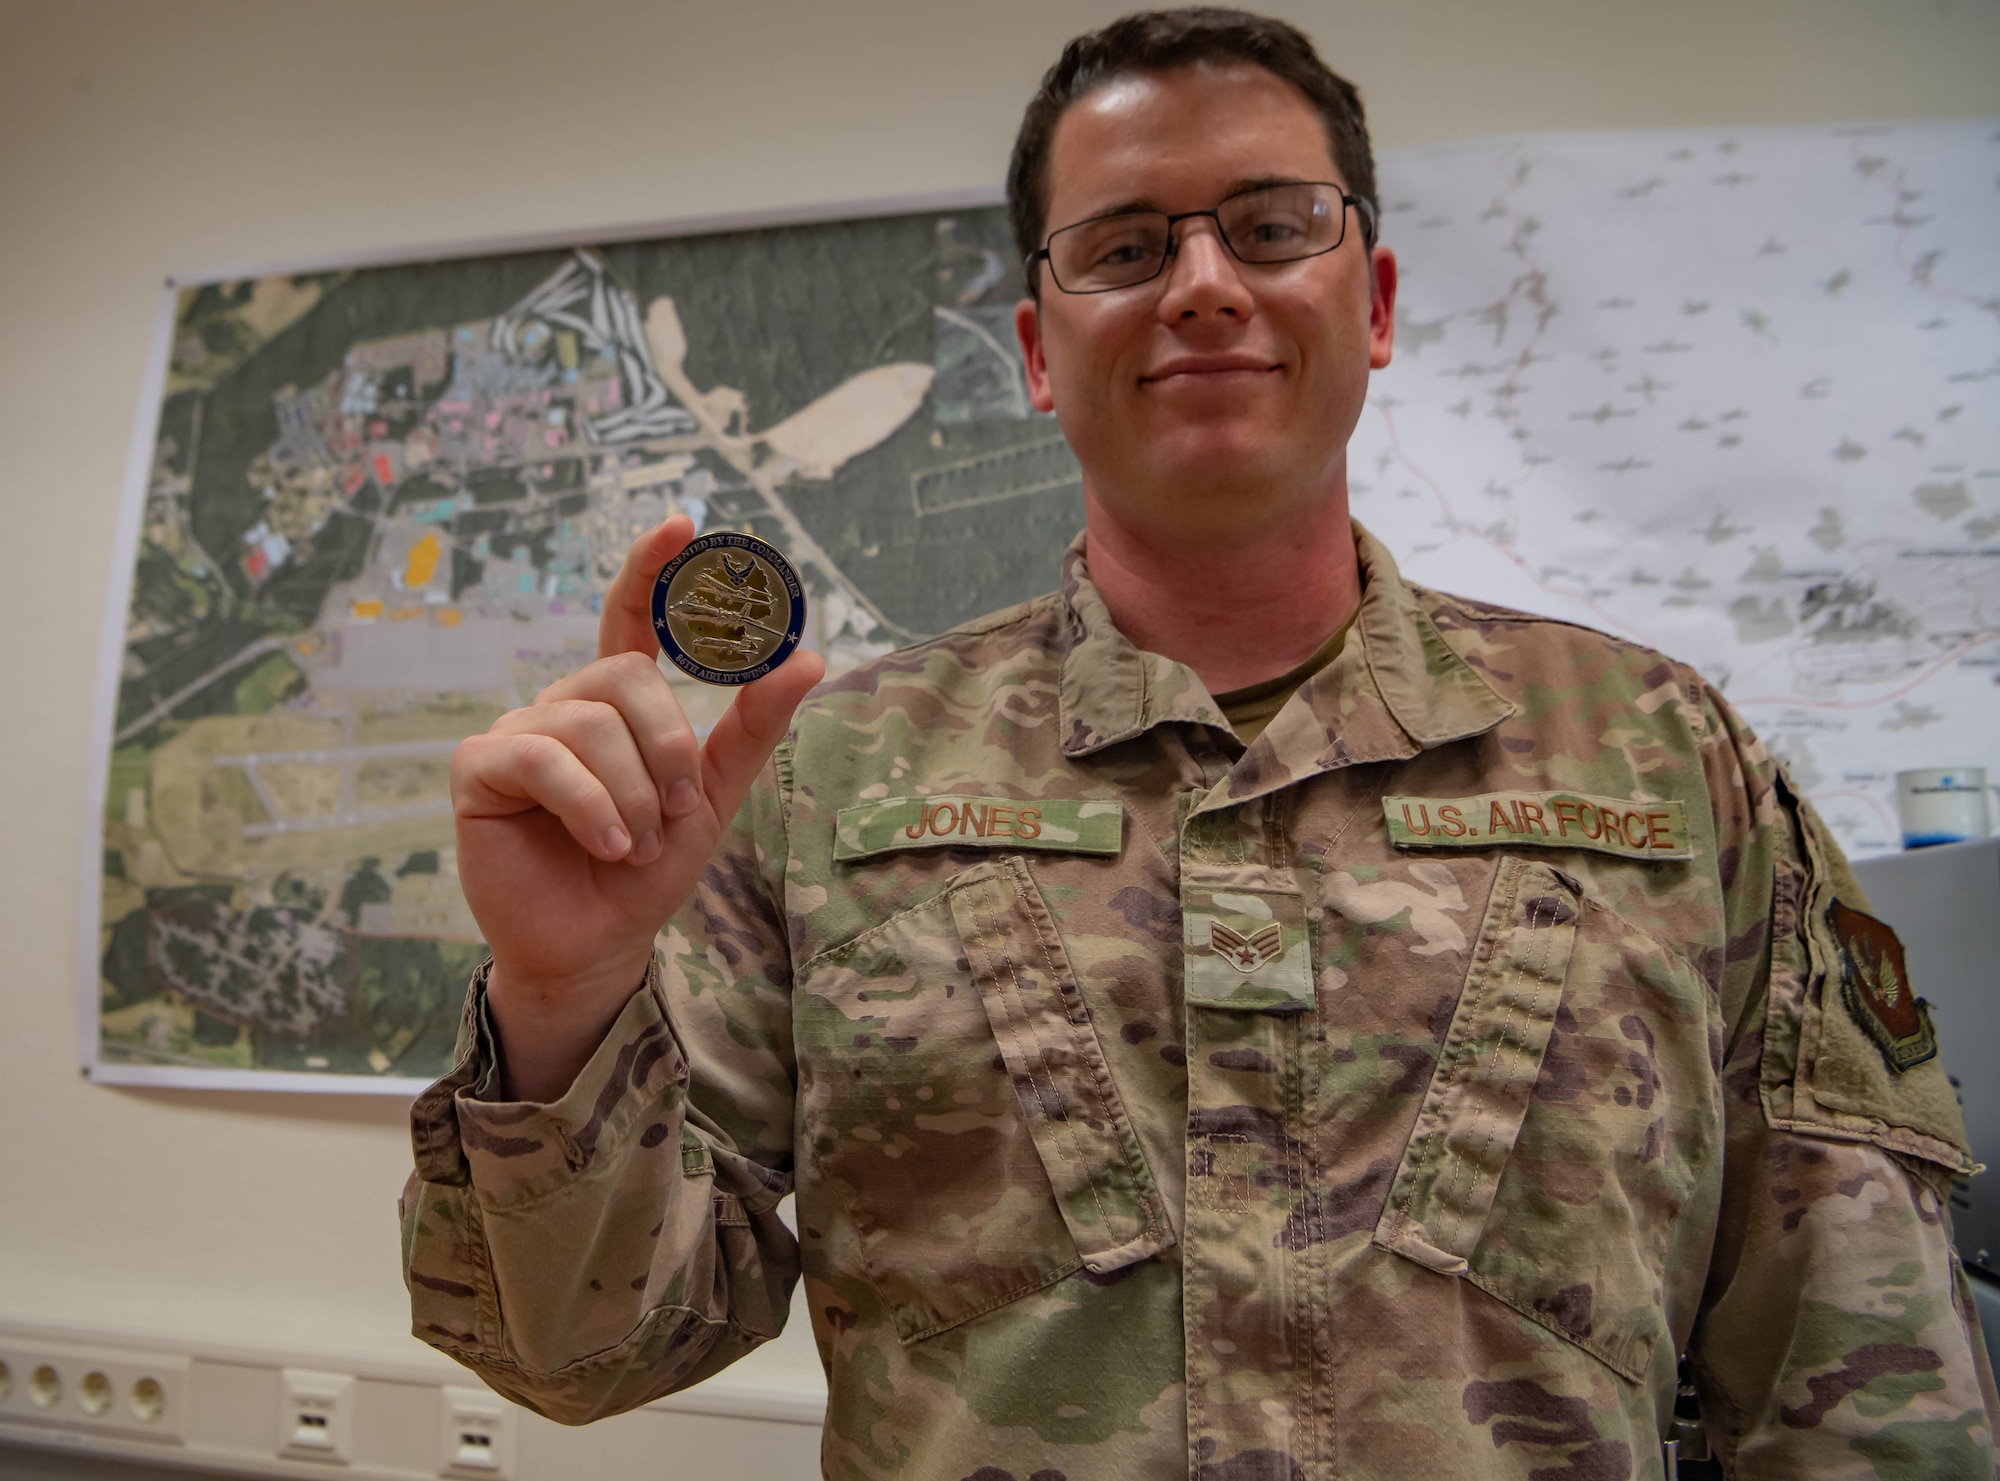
(626, 625)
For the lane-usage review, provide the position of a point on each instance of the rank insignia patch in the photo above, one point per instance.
(1246, 953)
(1244, 949)
(1875, 986)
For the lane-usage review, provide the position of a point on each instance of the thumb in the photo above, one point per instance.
(626, 625)
(750, 729)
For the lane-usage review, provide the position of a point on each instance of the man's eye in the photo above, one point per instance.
(1274, 232)
(1119, 247)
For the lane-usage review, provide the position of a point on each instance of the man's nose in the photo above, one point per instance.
(1202, 275)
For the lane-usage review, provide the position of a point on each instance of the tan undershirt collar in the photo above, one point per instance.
(1252, 707)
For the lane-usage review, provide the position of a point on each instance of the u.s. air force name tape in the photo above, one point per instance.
(1065, 825)
(1610, 825)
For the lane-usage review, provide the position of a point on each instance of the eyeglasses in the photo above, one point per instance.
(1267, 224)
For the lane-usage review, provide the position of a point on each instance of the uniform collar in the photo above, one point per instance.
(1396, 689)
(1435, 695)
(1111, 690)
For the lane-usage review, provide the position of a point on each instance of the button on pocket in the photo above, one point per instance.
(955, 1103)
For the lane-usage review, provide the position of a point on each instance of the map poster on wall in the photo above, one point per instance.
(382, 508)
(1735, 395)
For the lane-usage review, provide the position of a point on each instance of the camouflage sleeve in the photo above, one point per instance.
(588, 1255)
(1837, 1335)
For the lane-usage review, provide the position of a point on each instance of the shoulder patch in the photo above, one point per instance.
(1875, 987)
(1062, 825)
(1609, 825)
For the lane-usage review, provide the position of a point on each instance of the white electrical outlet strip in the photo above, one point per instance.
(228, 1409)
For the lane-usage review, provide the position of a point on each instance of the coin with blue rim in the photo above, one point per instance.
(729, 608)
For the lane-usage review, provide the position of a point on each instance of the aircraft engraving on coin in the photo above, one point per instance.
(728, 609)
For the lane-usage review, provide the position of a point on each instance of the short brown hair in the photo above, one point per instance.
(1157, 41)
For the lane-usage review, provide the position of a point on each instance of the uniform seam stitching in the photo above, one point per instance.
(1435, 1152)
(1111, 1104)
(1489, 1123)
(1074, 1151)
(1299, 1150)
(1038, 1070)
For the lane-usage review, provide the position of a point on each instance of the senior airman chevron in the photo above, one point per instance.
(1610, 825)
(1065, 825)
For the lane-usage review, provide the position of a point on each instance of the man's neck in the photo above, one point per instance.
(1237, 610)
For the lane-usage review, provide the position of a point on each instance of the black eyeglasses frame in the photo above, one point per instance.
(1363, 207)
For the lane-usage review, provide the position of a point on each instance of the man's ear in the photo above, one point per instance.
(1381, 306)
(1028, 327)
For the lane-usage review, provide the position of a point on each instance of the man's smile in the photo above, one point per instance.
(1195, 369)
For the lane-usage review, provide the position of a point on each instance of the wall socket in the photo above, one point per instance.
(479, 1429)
(101, 1396)
(89, 1390)
(316, 1415)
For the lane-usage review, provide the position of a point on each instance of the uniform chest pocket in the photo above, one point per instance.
(956, 1107)
(1571, 1119)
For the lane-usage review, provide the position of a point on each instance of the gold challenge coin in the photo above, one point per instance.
(729, 608)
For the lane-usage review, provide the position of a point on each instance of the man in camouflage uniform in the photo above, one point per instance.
(1240, 1016)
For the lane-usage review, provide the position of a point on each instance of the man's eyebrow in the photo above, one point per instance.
(1265, 182)
(1136, 203)
(1236, 187)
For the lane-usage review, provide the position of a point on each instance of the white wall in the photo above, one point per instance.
(140, 138)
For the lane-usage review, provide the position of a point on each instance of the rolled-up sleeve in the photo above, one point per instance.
(590, 1254)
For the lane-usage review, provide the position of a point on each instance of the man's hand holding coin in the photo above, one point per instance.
(585, 819)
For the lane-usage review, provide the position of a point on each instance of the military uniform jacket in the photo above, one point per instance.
(1396, 1097)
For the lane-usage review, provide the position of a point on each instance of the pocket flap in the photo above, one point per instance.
(1073, 1111)
(1486, 1071)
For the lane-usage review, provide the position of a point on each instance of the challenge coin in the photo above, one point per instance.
(728, 609)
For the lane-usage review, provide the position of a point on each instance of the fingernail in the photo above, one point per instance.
(616, 841)
(682, 798)
(648, 849)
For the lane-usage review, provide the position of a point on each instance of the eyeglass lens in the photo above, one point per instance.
(1279, 223)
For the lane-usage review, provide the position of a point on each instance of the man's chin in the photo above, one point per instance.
(1239, 456)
